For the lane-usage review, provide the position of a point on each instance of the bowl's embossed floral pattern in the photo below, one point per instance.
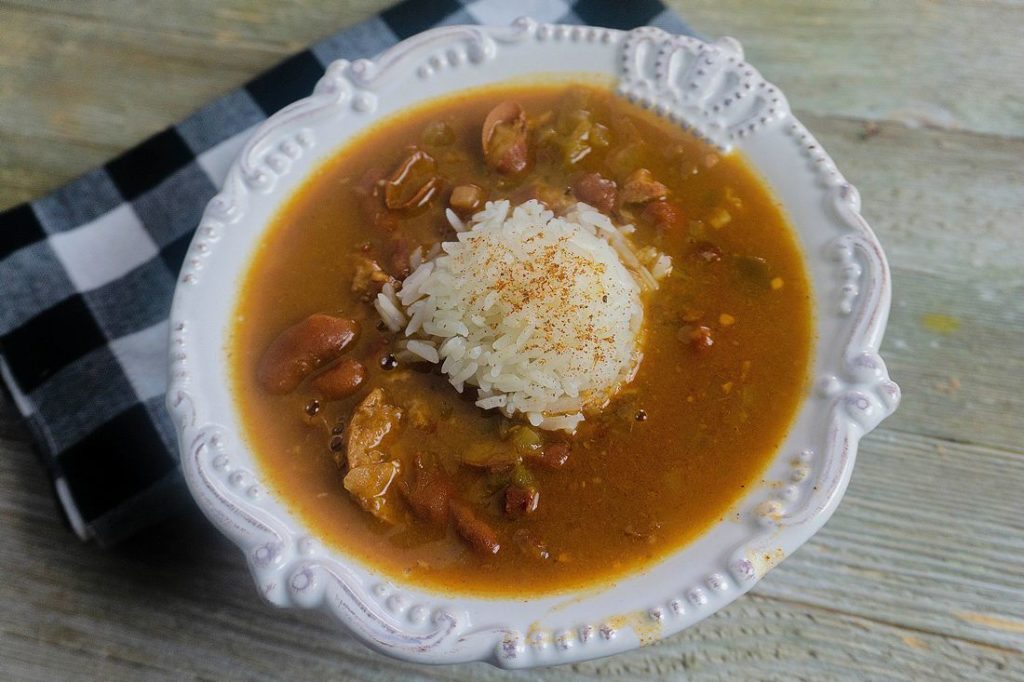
(707, 88)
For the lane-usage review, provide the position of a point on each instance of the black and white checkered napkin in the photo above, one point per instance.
(87, 273)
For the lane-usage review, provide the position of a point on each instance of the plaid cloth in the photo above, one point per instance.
(87, 273)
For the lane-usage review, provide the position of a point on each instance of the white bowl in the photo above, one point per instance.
(705, 87)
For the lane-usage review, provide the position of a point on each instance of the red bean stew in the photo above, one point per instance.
(386, 461)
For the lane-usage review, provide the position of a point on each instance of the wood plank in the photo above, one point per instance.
(944, 202)
(105, 75)
(80, 114)
(927, 537)
(945, 63)
(284, 26)
(31, 166)
(945, 206)
(203, 49)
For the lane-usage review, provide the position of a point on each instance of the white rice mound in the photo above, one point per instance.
(543, 314)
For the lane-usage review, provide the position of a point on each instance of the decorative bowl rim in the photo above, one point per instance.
(706, 87)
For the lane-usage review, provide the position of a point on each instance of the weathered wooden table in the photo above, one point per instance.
(920, 574)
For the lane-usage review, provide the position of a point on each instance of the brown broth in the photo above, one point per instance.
(632, 491)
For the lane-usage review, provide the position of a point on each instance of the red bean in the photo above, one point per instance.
(520, 501)
(467, 199)
(413, 183)
(554, 455)
(641, 187)
(302, 348)
(504, 138)
(342, 380)
(708, 252)
(477, 533)
(596, 190)
(428, 494)
(663, 214)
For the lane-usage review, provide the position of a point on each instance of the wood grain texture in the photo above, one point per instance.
(944, 63)
(920, 574)
(82, 81)
(948, 207)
